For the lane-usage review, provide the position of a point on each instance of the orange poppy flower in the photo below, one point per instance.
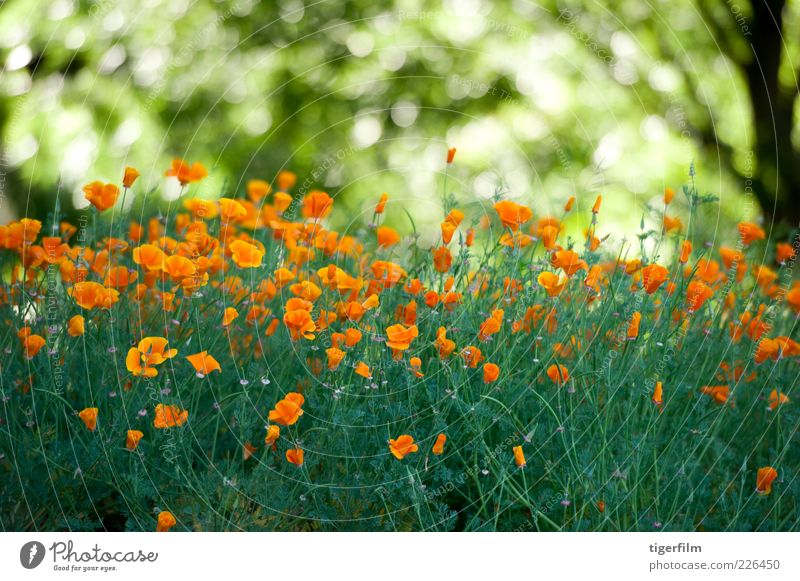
(767, 349)
(592, 280)
(246, 255)
(288, 410)
(764, 479)
(558, 374)
(784, 252)
(248, 450)
(89, 417)
(387, 272)
(229, 316)
(286, 180)
(548, 234)
(306, 290)
(201, 209)
(568, 261)
(76, 326)
(387, 236)
(787, 347)
(179, 267)
(448, 229)
(442, 259)
(490, 373)
(516, 240)
(101, 196)
(381, 205)
(204, 363)
(438, 446)
(686, 250)
(750, 232)
(295, 456)
(186, 173)
(149, 256)
(596, 206)
(281, 202)
(130, 175)
(653, 276)
(300, 324)
(718, 393)
(399, 337)
(132, 439)
(169, 416)
(415, 363)
(569, 204)
(672, 223)
(151, 351)
(32, 345)
(454, 217)
(511, 214)
(697, 293)
(257, 190)
(402, 446)
(231, 210)
(658, 394)
(352, 337)
(451, 154)
(166, 520)
(472, 356)
(90, 294)
(764, 275)
(119, 277)
(273, 433)
(777, 398)
(552, 283)
(363, 370)
(519, 456)
(335, 357)
(669, 193)
(491, 325)
(633, 325)
(317, 205)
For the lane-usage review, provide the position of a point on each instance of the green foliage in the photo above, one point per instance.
(687, 465)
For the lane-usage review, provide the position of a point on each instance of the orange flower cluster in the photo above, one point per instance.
(333, 299)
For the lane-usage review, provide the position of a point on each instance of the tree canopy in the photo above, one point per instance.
(545, 99)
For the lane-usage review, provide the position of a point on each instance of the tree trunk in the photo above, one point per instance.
(776, 180)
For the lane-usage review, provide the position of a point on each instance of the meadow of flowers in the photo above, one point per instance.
(236, 364)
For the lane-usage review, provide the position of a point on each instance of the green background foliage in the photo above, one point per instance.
(543, 100)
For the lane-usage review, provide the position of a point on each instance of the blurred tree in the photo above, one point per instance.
(770, 65)
(359, 98)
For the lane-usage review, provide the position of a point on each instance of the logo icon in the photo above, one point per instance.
(31, 554)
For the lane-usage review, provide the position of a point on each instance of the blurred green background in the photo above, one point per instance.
(542, 99)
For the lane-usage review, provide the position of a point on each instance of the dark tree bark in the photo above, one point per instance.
(777, 173)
